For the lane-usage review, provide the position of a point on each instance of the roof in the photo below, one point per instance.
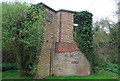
(42, 4)
(66, 11)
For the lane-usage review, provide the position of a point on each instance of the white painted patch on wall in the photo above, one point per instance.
(88, 72)
(75, 24)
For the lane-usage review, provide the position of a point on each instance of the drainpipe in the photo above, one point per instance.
(60, 25)
(52, 50)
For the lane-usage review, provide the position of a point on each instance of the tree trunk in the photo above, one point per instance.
(22, 65)
(22, 62)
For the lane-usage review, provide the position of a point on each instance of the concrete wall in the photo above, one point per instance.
(71, 64)
(70, 61)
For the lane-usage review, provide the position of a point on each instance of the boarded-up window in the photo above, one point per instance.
(48, 16)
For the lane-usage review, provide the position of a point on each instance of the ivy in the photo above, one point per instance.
(84, 34)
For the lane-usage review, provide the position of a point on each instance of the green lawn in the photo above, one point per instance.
(100, 75)
(0, 76)
(15, 74)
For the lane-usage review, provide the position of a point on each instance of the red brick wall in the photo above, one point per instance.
(65, 47)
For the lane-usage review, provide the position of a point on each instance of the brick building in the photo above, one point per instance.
(60, 55)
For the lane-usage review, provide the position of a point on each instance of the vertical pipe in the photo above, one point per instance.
(60, 25)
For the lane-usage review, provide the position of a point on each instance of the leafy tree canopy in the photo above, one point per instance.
(23, 28)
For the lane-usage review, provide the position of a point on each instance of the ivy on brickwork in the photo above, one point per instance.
(84, 34)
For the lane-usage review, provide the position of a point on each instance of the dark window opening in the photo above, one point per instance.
(48, 17)
(75, 25)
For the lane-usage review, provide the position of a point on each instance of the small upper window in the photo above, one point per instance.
(75, 26)
(48, 16)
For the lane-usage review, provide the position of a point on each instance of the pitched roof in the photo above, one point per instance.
(42, 4)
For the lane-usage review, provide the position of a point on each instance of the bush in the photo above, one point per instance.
(9, 66)
(111, 67)
(8, 56)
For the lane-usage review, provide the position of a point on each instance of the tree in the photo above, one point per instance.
(106, 50)
(102, 30)
(114, 33)
(23, 27)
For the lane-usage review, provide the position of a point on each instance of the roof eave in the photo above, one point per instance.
(55, 10)
(46, 6)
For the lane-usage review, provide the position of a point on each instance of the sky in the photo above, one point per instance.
(99, 8)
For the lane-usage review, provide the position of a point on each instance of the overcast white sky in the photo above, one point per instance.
(99, 8)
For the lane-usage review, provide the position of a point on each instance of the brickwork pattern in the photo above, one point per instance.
(66, 47)
(60, 54)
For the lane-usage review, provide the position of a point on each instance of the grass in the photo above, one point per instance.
(15, 74)
(0, 76)
(99, 75)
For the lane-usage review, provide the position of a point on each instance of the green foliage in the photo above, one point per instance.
(84, 34)
(111, 67)
(106, 51)
(114, 33)
(9, 66)
(106, 57)
(23, 27)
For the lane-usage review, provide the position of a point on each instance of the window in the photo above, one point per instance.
(48, 16)
(75, 26)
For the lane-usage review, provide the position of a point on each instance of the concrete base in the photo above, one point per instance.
(71, 64)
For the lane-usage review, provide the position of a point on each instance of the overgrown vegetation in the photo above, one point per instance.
(99, 42)
(9, 66)
(22, 31)
(84, 34)
(106, 51)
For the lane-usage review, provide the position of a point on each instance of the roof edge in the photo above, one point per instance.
(64, 10)
(46, 6)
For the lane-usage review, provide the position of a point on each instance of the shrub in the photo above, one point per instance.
(111, 67)
(9, 66)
